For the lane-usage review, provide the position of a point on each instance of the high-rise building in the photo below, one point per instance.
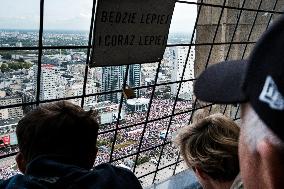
(16, 112)
(4, 114)
(134, 77)
(48, 81)
(113, 77)
(179, 55)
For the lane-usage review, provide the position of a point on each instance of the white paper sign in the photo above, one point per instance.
(131, 31)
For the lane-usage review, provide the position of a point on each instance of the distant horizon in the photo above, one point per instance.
(70, 30)
(26, 29)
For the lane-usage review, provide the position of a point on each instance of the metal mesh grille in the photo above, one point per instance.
(220, 30)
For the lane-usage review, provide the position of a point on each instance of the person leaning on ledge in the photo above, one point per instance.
(258, 84)
(210, 147)
(57, 149)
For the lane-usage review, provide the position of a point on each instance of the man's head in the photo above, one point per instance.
(60, 128)
(258, 84)
(210, 147)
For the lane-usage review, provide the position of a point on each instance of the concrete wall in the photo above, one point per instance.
(208, 24)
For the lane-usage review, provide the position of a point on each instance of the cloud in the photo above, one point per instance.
(18, 23)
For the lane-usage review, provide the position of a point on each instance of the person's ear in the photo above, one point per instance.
(271, 163)
(264, 148)
(21, 162)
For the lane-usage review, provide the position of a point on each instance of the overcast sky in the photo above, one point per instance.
(72, 15)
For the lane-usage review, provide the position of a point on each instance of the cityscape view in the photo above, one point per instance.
(141, 137)
(47, 47)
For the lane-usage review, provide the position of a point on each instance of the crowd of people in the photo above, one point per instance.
(8, 170)
(152, 130)
(152, 135)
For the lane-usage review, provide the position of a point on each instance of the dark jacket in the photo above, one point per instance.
(43, 173)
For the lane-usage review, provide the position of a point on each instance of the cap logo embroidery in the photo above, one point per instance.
(271, 95)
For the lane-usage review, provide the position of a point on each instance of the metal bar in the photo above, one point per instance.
(137, 153)
(39, 52)
(147, 116)
(218, 43)
(90, 46)
(88, 53)
(236, 119)
(271, 14)
(190, 119)
(120, 158)
(215, 34)
(119, 112)
(192, 38)
(236, 114)
(43, 47)
(178, 159)
(159, 169)
(250, 33)
(141, 151)
(90, 95)
(8, 155)
(153, 120)
(230, 7)
(179, 87)
(220, 17)
(251, 30)
(235, 30)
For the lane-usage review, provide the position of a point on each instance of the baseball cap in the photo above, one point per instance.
(258, 80)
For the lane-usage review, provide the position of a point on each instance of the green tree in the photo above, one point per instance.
(19, 65)
(14, 66)
(4, 68)
(158, 93)
(167, 96)
(142, 160)
(103, 143)
(6, 56)
(27, 65)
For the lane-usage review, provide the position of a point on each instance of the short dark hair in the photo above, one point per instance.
(60, 128)
(212, 144)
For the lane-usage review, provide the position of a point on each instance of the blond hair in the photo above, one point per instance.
(212, 145)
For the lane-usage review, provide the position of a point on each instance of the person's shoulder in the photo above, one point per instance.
(120, 175)
(12, 182)
(5, 183)
(114, 170)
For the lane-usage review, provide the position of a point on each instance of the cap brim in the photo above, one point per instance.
(222, 83)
